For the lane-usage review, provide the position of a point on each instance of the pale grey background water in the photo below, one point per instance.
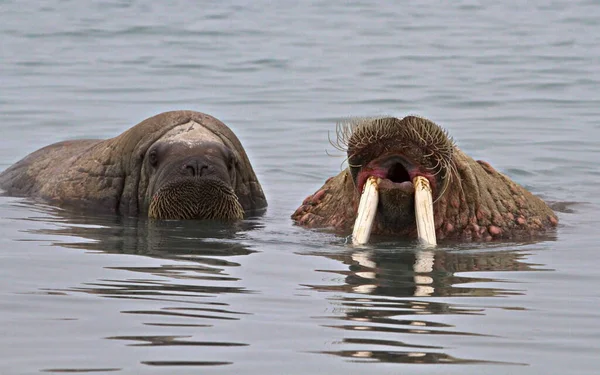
(515, 83)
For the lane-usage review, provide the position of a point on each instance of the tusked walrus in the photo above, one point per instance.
(471, 200)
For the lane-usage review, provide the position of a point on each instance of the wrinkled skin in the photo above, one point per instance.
(472, 201)
(175, 165)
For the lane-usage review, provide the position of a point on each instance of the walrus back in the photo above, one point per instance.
(28, 176)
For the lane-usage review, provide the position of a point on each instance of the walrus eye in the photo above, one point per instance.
(153, 158)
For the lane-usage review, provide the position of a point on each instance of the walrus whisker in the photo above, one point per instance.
(342, 164)
(196, 198)
(342, 133)
(434, 167)
(449, 177)
(332, 155)
(335, 144)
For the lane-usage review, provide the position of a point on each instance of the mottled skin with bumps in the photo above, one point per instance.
(114, 175)
(481, 204)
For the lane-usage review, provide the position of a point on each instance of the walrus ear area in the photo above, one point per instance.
(232, 161)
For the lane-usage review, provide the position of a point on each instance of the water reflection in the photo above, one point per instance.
(179, 292)
(169, 341)
(201, 252)
(174, 240)
(396, 295)
(387, 304)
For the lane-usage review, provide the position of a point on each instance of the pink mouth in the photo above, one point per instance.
(395, 173)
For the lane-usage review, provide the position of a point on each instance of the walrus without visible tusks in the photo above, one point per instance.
(471, 200)
(175, 165)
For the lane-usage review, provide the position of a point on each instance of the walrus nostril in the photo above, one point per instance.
(203, 170)
(195, 168)
(397, 173)
(190, 170)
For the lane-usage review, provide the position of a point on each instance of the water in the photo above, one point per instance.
(515, 84)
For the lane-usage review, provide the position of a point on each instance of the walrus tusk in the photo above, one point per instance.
(424, 211)
(367, 208)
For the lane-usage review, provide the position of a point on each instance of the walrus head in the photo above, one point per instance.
(191, 174)
(469, 199)
(396, 151)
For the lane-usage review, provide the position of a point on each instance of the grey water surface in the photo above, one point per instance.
(515, 83)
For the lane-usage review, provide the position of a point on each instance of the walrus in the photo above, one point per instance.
(175, 165)
(470, 199)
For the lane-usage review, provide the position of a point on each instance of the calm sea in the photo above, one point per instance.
(515, 83)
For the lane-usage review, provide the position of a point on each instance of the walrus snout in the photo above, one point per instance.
(395, 173)
(396, 203)
(196, 167)
(192, 178)
(195, 198)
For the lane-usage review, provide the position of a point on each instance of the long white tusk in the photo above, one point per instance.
(367, 208)
(424, 211)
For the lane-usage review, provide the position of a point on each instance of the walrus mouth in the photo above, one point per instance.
(423, 204)
(395, 172)
(398, 166)
(404, 185)
(196, 198)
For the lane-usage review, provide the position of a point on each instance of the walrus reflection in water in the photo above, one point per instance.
(471, 200)
(175, 165)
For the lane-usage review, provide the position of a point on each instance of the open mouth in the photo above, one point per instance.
(394, 173)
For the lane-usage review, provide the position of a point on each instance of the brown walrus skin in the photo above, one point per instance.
(175, 165)
(472, 201)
